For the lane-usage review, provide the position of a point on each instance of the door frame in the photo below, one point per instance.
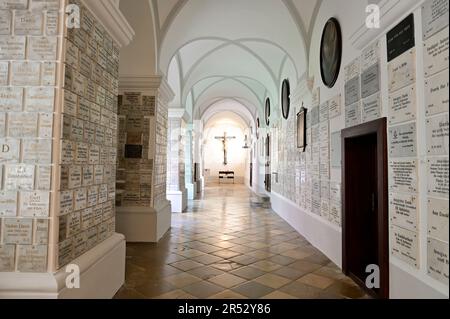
(378, 127)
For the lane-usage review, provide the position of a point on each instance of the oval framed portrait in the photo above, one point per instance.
(267, 112)
(258, 125)
(285, 98)
(331, 52)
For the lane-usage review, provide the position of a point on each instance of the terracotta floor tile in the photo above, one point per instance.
(316, 281)
(226, 254)
(227, 294)
(227, 280)
(278, 295)
(206, 272)
(252, 290)
(176, 294)
(186, 265)
(202, 289)
(266, 265)
(182, 280)
(272, 280)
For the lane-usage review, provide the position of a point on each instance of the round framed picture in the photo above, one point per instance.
(331, 52)
(258, 125)
(285, 98)
(267, 112)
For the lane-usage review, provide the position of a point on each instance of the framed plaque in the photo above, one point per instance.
(301, 129)
(437, 263)
(267, 112)
(405, 245)
(330, 52)
(434, 17)
(285, 98)
(400, 38)
(438, 218)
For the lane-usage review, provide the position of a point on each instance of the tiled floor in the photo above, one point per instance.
(227, 245)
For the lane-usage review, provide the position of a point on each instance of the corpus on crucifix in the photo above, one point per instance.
(224, 139)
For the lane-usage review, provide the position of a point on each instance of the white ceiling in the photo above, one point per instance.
(238, 49)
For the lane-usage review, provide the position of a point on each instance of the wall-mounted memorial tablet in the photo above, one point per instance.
(437, 260)
(301, 129)
(405, 245)
(285, 98)
(434, 17)
(267, 112)
(330, 52)
(400, 38)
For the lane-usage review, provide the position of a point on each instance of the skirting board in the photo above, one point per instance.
(178, 200)
(102, 273)
(321, 234)
(144, 224)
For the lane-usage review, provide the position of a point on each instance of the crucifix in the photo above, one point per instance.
(224, 139)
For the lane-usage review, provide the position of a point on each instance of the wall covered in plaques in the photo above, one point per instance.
(88, 139)
(160, 160)
(135, 158)
(409, 86)
(29, 42)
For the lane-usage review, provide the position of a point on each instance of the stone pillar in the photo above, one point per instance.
(143, 212)
(189, 164)
(198, 157)
(176, 186)
(60, 102)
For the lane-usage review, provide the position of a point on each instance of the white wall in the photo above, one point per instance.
(406, 281)
(237, 157)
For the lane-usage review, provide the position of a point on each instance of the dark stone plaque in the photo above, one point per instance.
(401, 38)
(133, 151)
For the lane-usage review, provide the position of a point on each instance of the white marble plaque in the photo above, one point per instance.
(48, 73)
(7, 253)
(17, 231)
(335, 150)
(5, 22)
(25, 73)
(22, 124)
(436, 53)
(73, 224)
(324, 131)
(335, 192)
(8, 204)
(335, 213)
(9, 150)
(51, 23)
(42, 48)
(315, 134)
(11, 99)
(2, 124)
(4, 73)
(65, 202)
(352, 69)
(315, 101)
(39, 99)
(65, 249)
(402, 105)
(34, 204)
(405, 245)
(80, 199)
(41, 232)
(352, 91)
(325, 189)
(43, 177)
(370, 55)
(371, 108)
(437, 135)
(438, 218)
(353, 115)
(434, 17)
(436, 93)
(19, 177)
(32, 258)
(325, 208)
(75, 177)
(28, 23)
(370, 81)
(402, 141)
(403, 176)
(402, 71)
(323, 111)
(68, 150)
(437, 263)
(315, 205)
(37, 151)
(437, 173)
(403, 209)
(12, 48)
(334, 106)
(45, 125)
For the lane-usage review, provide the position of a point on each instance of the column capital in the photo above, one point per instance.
(113, 20)
(154, 83)
(179, 113)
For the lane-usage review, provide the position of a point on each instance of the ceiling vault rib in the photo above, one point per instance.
(299, 22)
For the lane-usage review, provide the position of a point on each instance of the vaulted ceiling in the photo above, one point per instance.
(234, 49)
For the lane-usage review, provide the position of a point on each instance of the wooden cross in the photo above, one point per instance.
(224, 139)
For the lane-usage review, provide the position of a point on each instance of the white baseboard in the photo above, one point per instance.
(102, 273)
(322, 234)
(144, 224)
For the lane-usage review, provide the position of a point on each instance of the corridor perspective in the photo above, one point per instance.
(230, 245)
(221, 149)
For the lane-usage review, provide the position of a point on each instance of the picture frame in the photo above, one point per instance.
(285, 99)
(301, 129)
(330, 52)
